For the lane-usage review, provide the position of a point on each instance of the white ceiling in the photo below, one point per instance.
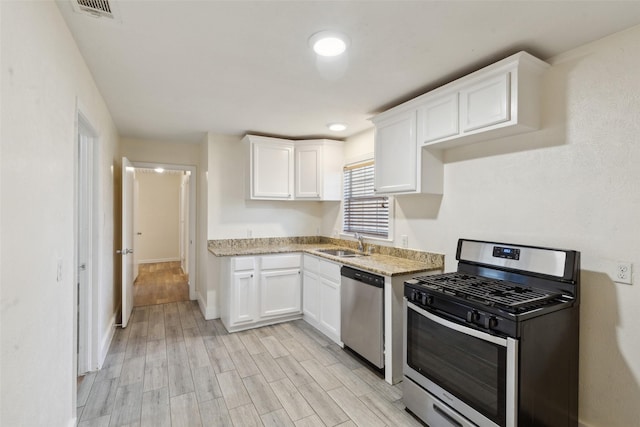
(174, 70)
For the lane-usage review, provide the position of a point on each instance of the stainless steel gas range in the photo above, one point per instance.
(495, 343)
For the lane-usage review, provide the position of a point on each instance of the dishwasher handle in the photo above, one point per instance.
(362, 276)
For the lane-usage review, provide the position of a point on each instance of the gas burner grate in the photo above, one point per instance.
(488, 291)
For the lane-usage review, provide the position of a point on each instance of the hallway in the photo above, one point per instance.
(160, 283)
(170, 367)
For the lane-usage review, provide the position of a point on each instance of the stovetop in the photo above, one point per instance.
(508, 296)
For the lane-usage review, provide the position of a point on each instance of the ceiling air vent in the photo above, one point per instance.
(97, 8)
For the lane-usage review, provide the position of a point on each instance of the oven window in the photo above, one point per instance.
(470, 368)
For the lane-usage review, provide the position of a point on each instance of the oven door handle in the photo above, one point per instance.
(456, 327)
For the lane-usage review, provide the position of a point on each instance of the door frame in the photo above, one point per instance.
(85, 324)
(192, 214)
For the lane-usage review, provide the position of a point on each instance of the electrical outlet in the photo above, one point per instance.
(404, 241)
(623, 272)
(249, 232)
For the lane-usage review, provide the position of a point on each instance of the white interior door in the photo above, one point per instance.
(83, 245)
(128, 176)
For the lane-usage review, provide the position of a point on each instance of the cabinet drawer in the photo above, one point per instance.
(310, 263)
(280, 261)
(243, 263)
(330, 270)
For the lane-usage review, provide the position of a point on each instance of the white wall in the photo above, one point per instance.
(574, 185)
(232, 216)
(158, 216)
(43, 79)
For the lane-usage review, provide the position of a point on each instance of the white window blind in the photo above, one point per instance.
(364, 212)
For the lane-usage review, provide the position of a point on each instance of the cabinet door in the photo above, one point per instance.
(308, 172)
(395, 154)
(438, 119)
(486, 103)
(330, 308)
(243, 298)
(310, 301)
(280, 292)
(272, 170)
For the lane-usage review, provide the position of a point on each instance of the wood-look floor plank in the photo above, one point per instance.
(206, 383)
(297, 350)
(156, 349)
(311, 421)
(232, 342)
(196, 350)
(132, 371)
(391, 393)
(274, 347)
(321, 374)
(387, 411)
(251, 342)
(245, 416)
(220, 360)
(261, 394)
(185, 411)
(180, 379)
(156, 375)
(233, 390)
(215, 413)
(353, 382)
(156, 411)
(324, 406)
(245, 366)
(291, 399)
(269, 367)
(96, 422)
(278, 418)
(354, 408)
(101, 399)
(127, 407)
(84, 388)
(294, 370)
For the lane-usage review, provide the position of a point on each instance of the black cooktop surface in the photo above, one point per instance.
(506, 295)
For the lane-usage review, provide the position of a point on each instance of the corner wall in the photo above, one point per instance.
(44, 80)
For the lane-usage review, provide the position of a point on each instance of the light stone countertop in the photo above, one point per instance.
(385, 260)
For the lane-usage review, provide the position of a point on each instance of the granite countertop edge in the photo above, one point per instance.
(385, 260)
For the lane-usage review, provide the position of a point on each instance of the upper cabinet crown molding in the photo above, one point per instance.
(282, 169)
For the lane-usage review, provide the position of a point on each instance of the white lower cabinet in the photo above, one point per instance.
(260, 290)
(321, 296)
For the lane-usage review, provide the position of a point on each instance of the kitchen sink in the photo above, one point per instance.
(343, 253)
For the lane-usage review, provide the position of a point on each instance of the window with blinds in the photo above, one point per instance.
(364, 212)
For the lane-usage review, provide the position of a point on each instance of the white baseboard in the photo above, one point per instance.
(153, 261)
(73, 422)
(207, 311)
(107, 338)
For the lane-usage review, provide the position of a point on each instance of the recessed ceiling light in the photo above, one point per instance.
(337, 127)
(159, 170)
(329, 43)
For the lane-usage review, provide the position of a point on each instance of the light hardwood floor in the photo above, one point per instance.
(170, 367)
(160, 283)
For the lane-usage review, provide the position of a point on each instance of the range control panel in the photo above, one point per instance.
(504, 252)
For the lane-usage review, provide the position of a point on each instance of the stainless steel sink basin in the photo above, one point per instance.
(343, 253)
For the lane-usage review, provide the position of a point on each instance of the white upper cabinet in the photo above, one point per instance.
(485, 103)
(318, 170)
(281, 169)
(271, 168)
(438, 118)
(499, 100)
(395, 152)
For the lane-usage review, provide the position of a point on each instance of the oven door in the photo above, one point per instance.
(469, 371)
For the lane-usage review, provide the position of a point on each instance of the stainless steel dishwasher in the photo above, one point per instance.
(362, 314)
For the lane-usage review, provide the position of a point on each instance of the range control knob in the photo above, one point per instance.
(473, 316)
(490, 322)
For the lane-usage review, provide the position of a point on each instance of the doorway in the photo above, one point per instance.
(86, 246)
(164, 233)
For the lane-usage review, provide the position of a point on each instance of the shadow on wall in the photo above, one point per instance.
(553, 121)
(423, 206)
(609, 392)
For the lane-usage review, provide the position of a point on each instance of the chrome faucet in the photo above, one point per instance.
(360, 238)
